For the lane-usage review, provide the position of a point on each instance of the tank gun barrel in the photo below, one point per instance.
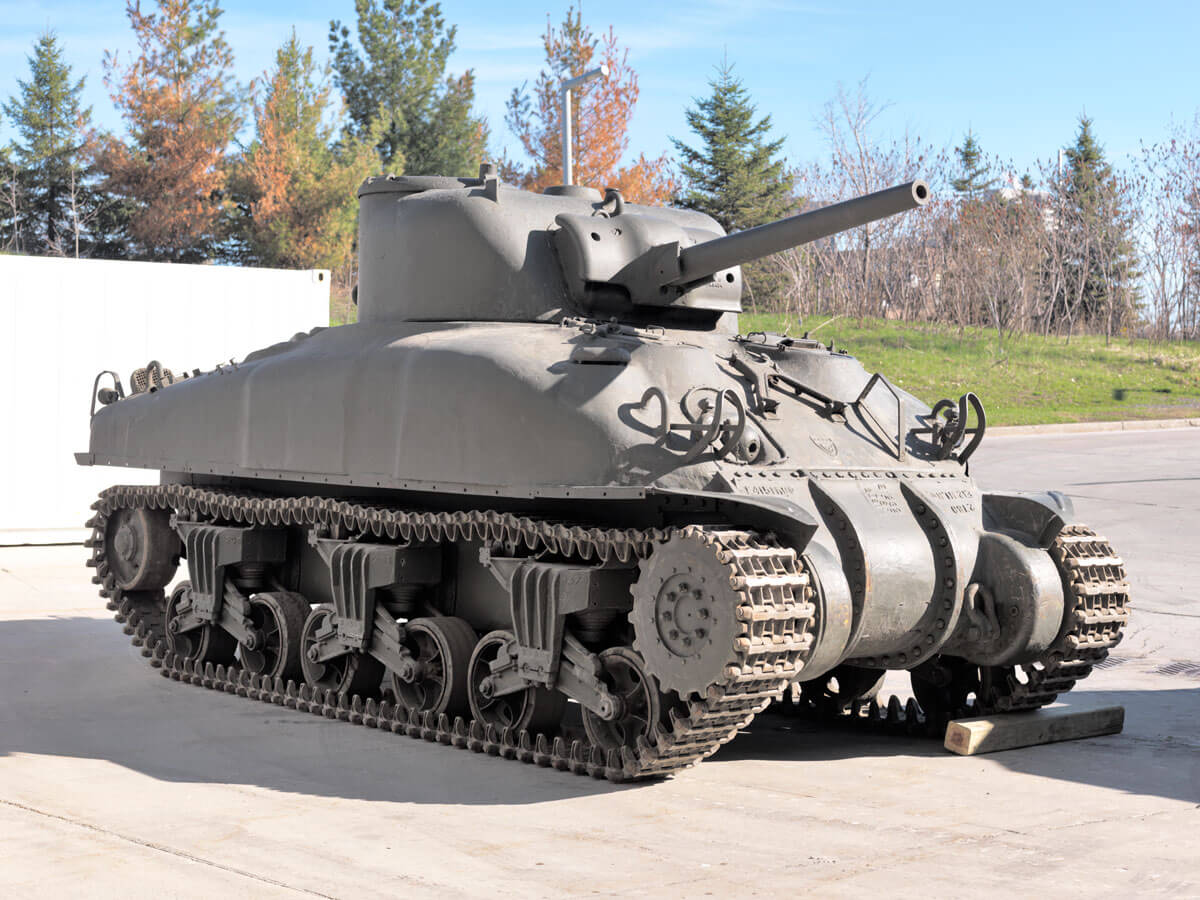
(702, 260)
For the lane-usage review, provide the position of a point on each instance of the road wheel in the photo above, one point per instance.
(639, 702)
(208, 643)
(352, 672)
(437, 680)
(535, 709)
(277, 618)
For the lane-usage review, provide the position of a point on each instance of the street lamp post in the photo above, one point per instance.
(568, 86)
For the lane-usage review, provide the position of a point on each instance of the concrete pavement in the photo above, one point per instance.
(117, 782)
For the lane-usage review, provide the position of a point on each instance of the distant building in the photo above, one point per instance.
(1011, 190)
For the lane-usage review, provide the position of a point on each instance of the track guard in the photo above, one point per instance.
(1040, 515)
(792, 523)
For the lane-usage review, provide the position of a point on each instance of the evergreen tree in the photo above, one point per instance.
(9, 233)
(1102, 270)
(734, 175)
(182, 108)
(295, 186)
(51, 199)
(974, 178)
(395, 86)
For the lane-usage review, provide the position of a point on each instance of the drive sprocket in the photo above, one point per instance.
(713, 608)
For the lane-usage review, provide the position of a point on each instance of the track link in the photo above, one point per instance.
(774, 606)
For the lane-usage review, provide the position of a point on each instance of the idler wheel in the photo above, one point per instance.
(436, 680)
(351, 672)
(208, 643)
(277, 619)
(639, 703)
(141, 548)
(684, 615)
(536, 709)
(841, 686)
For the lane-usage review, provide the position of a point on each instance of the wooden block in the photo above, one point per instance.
(969, 737)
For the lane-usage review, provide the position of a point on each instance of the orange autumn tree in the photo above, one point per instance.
(295, 186)
(601, 110)
(182, 109)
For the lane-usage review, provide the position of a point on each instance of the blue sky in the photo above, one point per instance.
(1018, 74)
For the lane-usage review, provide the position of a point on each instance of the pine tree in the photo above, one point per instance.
(735, 176)
(601, 110)
(182, 109)
(51, 200)
(396, 89)
(974, 168)
(10, 236)
(1103, 267)
(294, 186)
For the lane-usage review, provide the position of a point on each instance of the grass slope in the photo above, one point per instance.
(1036, 380)
(342, 310)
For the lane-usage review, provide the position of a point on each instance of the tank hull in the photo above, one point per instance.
(575, 422)
(498, 409)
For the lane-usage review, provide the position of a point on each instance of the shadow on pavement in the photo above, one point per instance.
(74, 687)
(1157, 754)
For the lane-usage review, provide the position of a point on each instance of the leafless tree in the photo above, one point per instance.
(1170, 250)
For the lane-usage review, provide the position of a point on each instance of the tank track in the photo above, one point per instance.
(771, 584)
(1096, 590)
(1097, 594)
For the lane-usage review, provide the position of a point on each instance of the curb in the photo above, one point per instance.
(1093, 427)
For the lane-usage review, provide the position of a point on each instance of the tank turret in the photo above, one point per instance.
(460, 249)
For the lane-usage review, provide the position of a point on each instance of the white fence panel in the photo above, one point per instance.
(64, 320)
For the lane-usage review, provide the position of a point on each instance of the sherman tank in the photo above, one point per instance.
(545, 500)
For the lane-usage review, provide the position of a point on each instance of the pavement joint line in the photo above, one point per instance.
(1075, 495)
(1108, 820)
(1061, 428)
(170, 851)
(1163, 612)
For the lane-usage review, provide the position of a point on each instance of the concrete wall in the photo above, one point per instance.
(64, 320)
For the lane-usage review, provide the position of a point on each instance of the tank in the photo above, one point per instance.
(544, 500)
